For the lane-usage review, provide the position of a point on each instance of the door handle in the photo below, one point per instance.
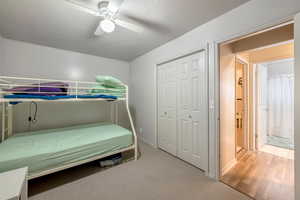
(190, 116)
(166, 113)
(241, 122)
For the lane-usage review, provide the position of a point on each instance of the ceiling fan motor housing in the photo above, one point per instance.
(103, 9)
(103, 4)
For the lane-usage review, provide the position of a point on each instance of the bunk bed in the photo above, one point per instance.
(52, 150)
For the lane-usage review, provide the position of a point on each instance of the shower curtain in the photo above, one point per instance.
(281, 107)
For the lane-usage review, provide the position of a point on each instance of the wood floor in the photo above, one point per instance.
(263, 176)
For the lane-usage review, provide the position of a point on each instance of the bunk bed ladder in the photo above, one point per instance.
(132, 125)
(3, 115)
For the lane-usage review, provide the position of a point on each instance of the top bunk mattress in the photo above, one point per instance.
(47, 149)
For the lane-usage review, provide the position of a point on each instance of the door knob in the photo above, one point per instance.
(190, 116)
(166, 113)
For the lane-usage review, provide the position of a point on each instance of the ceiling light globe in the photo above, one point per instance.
(107, 26)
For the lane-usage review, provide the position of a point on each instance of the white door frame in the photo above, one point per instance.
(214, 92)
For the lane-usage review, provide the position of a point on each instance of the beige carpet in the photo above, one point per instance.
(155, 176)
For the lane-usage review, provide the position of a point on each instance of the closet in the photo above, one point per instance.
(183, 109)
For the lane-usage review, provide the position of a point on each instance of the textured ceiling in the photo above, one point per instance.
(58, 24)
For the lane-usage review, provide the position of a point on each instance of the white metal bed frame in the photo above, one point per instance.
(74, 88)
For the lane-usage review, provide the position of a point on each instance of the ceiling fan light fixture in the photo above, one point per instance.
(108, 26)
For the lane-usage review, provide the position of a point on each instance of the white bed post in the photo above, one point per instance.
(132, 126)
(3, 121)
(9, 119)
(76, 91)
(6, 121)
(117, 112)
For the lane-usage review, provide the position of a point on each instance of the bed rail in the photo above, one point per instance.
(53, 87)
(6, 118)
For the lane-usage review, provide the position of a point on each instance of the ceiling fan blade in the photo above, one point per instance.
(114, 5)
(81, 7)
(129, 26)
(99, 31)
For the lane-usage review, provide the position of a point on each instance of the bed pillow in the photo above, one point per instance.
(109, 81)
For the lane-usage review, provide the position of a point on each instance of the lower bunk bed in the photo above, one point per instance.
(48, 151)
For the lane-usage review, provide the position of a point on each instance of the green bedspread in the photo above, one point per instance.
(46, 149)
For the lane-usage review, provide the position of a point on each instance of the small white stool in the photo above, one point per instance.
(13, 184)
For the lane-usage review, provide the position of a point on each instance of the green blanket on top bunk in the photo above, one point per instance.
(110, 86)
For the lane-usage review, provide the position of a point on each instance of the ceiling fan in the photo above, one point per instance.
(108, 10)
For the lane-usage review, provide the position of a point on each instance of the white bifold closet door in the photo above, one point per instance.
(187, 138)
(167, 108)
(192, 110)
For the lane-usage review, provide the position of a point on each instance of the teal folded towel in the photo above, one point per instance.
(109, 85)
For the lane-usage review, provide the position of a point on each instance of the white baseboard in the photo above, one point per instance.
(228, 166)
(142, 139)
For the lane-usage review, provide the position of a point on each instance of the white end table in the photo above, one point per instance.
(13, 184)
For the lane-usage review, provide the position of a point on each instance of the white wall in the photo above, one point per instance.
(297, 105)
(29, 60)
(280, 67)
(254, 15)
(1, 65)
(1, 51)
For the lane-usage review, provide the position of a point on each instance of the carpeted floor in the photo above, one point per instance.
(155, 176)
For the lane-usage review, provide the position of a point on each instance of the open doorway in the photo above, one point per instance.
(256, 114)
(275, 107)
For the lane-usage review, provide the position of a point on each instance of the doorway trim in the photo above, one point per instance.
(214, 90)
(255, 91)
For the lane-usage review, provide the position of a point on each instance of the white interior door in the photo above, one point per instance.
(184, 115)
(193, 110)
(167, 123)
(262, 106)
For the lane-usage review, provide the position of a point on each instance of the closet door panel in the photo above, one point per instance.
(167, 102)
(162, 115)
(171, 116)
(196, 148)
(193, 111)
(184, 122)
(184, 140)
(184, 91)
(199, 112)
